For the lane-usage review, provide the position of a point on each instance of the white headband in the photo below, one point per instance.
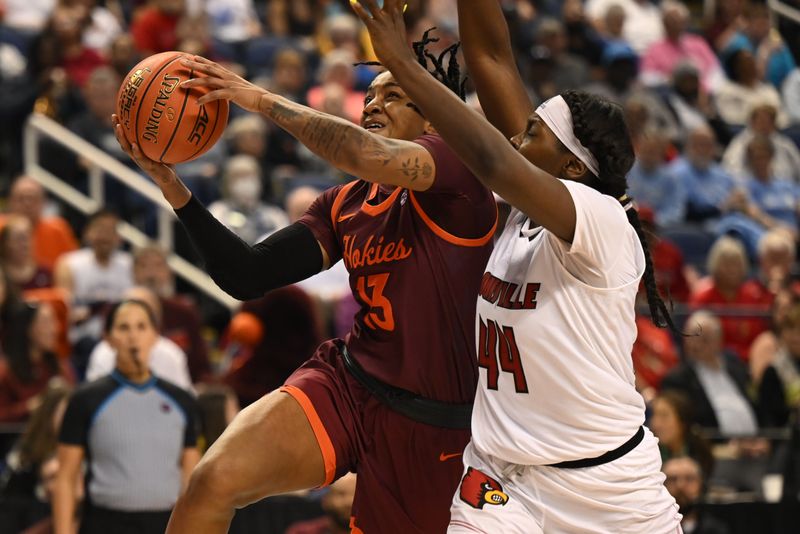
(556, 114)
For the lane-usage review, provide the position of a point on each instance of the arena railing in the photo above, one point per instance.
(101, 164)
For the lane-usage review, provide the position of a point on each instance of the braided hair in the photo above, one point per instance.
(449, 75)
(597, 124)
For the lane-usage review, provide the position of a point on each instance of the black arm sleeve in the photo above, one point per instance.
(244, 272)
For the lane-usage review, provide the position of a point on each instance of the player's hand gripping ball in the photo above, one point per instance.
(163, 118)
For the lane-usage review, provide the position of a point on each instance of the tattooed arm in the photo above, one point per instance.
(345, 145)
(351, 148)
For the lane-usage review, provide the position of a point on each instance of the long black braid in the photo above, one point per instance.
(597, 124)
(450, 75)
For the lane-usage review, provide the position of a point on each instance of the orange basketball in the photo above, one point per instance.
(164, 119)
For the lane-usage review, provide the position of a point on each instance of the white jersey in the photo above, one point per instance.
(93, 282)
(555, 328)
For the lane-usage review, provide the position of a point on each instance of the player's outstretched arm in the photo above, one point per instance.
(245, 272)
(490, 59)
(344, 145)
(480, 146)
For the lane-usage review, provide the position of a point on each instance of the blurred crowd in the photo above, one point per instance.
(711, 93)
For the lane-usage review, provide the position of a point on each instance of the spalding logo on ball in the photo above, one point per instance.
(163, 118)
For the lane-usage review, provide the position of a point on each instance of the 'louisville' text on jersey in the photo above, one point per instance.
(506, 295)
(372, 252)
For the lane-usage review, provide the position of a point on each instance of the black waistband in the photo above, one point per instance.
(610, 456)
(413, 406)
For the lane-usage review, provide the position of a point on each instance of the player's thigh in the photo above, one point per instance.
(269, 448)
(490, 499)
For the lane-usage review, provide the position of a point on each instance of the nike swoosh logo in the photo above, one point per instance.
(444, 457)
(345, 217)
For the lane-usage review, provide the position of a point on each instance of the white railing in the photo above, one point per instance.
(785, 10)
(101, 164)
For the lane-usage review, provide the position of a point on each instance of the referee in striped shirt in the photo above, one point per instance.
(136, 432)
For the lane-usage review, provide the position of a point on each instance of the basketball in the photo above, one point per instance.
(164, 119)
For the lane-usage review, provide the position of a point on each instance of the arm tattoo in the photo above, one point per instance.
(412, 168)
(337, 141)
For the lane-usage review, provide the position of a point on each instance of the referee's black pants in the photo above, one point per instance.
(104, 521)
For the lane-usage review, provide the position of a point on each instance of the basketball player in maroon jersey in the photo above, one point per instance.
(392, 401)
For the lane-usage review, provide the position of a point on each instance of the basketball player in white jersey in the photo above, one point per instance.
(558, 444)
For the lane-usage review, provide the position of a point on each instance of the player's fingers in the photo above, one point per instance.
(121, 139)
(209, 69)
(361, 12)
(205, 81)
(219, 94)
(393, 6)
(372, 6)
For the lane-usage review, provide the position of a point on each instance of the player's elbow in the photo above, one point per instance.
(212, 488)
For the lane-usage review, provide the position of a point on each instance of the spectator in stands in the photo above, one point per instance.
(568, 71)
(16, 255)
(23, 498)
(240, 208)
(93, 277)
(136, 432)
(740, 302)
(67, 26)
(768, 343)
(52, 235)
(671, 421)
(583, 39)
(180, 321)
(653, 354)
(667, 259)
(724, 22)
(290, 333)
(289, 75)
(715, 382)
(777, 253)
(337, 503)
(122, 55)
(100, 25)
(685, 481)
(29, 361)
(167, 360)
(94, 125)
(661, 58)
(233, 23)
(643, 25)
(337, 80)
(155, 27)
(651, 183)
(613, 24)
(786, 160)
(708, 186)
(779, 391)
(776, 197)
(690, 103)
(772, 55)
(744, 89)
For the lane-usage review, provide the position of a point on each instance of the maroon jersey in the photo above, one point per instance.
(415, 261)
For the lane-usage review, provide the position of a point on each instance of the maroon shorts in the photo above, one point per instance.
(407, 471)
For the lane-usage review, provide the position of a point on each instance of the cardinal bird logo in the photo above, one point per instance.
(478, 489)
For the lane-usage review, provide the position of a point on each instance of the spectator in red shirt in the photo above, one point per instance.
(337, 503)
(777, 253)
(667, 260)
(67, 25)
(741, 304)
(155, 28)
(29, 361)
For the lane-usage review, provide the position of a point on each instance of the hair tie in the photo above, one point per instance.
(627, 202)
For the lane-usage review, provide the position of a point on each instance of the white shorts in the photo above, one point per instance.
(626, 495)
